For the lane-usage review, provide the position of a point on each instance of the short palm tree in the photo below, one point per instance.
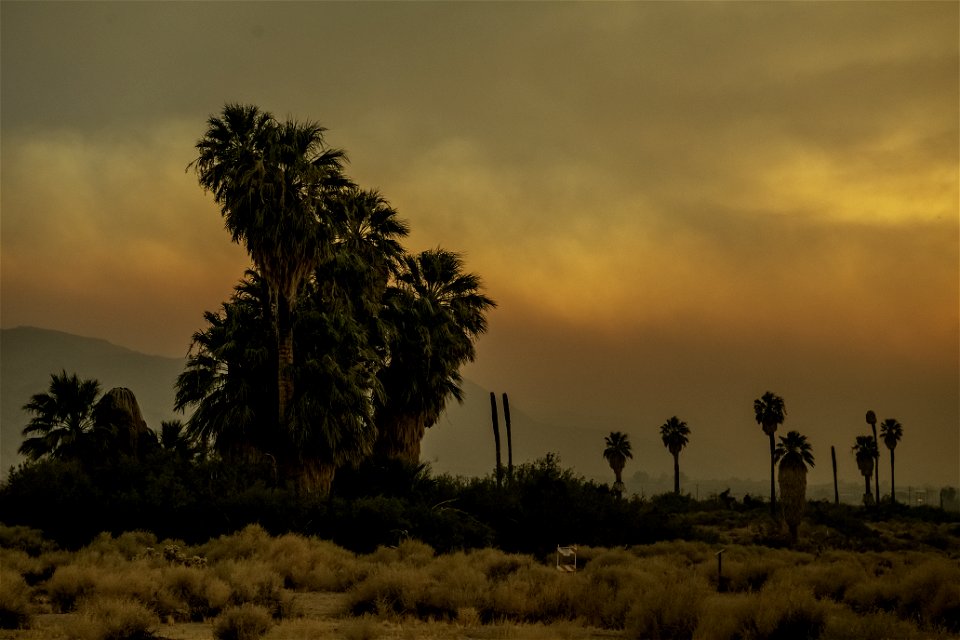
(616, 452)
(62, 421)
(795, 455)
(271, 180)
(675, 435)
(866, 453)
(434, 312)
(770, 412)
(891, 431)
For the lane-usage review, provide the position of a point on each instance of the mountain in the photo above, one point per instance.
(461, 443)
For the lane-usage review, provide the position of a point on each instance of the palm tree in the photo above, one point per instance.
(674, 433)
(871, 418)
(891, 431)
(271, 180)
(795, 455)
(770, 412)
(866, 452)
(434, 312)
(617, 450)
(62, 421)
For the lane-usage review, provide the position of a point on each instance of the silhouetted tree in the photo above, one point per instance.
(496, 435)
(271, 180)
(434, 312)
(507, 425)
(770, 412)
(795, 455)
(674, 433)
(891, 431)
(616, 452)
(871, 418)
(866, 453)
(62, 421)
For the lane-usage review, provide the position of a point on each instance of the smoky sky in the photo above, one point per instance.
(676, 205)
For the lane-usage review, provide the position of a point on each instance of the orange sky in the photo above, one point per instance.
(676, 205)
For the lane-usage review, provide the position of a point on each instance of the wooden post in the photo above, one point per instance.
(721, 587)
(836, 489)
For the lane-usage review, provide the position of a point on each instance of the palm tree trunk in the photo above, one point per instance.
(676, 473)
(876, 466)
(314, 477)
(836, 488)
(284, 358)
(893, 488)
(496, 435)
(398, 438)
(773, 486)
(506, 422)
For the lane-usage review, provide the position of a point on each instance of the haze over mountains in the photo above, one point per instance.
(461, 443)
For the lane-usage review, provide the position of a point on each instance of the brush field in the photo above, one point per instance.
(253, 585)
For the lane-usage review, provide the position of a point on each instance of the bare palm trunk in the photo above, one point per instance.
(893, 487)
(496, 435)
(836, 488)
(773, 486)
(876, 466)
(284, 358)
(676, 473)
(506, 422)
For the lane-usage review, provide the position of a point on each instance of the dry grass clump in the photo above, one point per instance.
(255, 582)
(190, 594)
(246, 622)
(16, 610)
(112, 618)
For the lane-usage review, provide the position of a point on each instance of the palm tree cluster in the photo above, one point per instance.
(72, 420)
(337, 343)
(867, 452)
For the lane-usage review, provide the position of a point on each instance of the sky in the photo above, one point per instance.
(676, 206)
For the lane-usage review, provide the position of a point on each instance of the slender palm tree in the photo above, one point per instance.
(62, 421)
(866, 453)
(434, 312)
(271, 180)
(871, 419)
(616, 452)
(675, 435)
(794, 454)
(770, 412)
(891, 431)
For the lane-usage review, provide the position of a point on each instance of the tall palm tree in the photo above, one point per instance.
(871, 418)
(866, 452)
(271, 180)
(891, 431)
(675, 435)
(795, 455)
(62, 420)
(435, 312)
(616, 452)
(770, 412)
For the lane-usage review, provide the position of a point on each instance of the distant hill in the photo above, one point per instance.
(461, 443)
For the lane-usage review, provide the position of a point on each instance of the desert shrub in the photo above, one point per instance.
(400, 590)
(305, 629)
(253, 540)
(845, 624)
(190, 593)
(832, 576)
(533, 594)
(26, 539)
(930, 594)
(312, 565)
(128, 545)
(668, 606)
(112, 618)
(255, 582)
(727, 617)
(16, 610)
(69, 583)
(246, 622)
(787, 611)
